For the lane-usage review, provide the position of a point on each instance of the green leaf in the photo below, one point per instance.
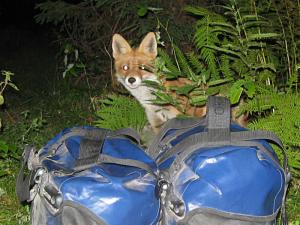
(3, 147)
(250, 89)
(13, 86)
(195, 63)
(169, 66)
(263, 36)
(232, 34)
(1, 100)
(163, 98)
(269, 66)
(186, 89)
(198, 100)
(223, 24)
(183, 63)
(252, 24)
(255, 44)
(235, 94)
(251, 18)
(217, 82)
(154, 84)
(142, 11)
(213, 91)
(197, 11)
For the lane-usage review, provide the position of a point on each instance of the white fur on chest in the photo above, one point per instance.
(145, 96)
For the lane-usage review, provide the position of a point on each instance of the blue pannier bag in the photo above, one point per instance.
(206, 171)
(90, 176)
(214, 172)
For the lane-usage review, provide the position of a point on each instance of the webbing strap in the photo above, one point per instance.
(218, 118)
(181, 125)
(202, 139)
(127, 132)
(89, 148)
(103, 158)
(92, 134)
(95, 134)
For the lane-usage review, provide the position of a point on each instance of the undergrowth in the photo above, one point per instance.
(282, 118)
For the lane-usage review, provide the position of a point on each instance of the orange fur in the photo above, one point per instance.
(131, 70)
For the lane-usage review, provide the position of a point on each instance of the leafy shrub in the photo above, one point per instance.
(89, 25)
(6, 151)
(238, 55)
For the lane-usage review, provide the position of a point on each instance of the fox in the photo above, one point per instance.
(131, 70)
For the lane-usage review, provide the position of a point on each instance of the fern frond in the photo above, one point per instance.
(251, 17)
(263, 36)
(195, 63)
(183, 63)
(118, 112)
(284, 121)
(198, 11)
(170, 65)
(225, 67)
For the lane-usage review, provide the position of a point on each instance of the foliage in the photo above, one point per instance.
(72, 63)
(284, 16)
(116, 112)
(88, 26)
(7, 82)
(281, 115)
(239, 44)
(25, 130)
(6, 151)
(198, 86)
(293, 202)
(233, 59)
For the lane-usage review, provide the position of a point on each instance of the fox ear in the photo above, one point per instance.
(149, 45)
(120, 46)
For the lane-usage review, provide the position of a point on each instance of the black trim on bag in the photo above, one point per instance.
(227, 215)
(83, 210)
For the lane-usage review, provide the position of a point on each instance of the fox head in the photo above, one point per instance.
(132, 65)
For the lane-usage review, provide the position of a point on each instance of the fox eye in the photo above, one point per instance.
(125, 67)
(142, 67)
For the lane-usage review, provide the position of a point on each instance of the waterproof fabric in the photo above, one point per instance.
(236, 180)
(106, 193)
(232, 182)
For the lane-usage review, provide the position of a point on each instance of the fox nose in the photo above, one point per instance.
(131, 80)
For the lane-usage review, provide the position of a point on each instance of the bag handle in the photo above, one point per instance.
(218, 118)
(86, 163)
(95, 134)
(91, 147)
